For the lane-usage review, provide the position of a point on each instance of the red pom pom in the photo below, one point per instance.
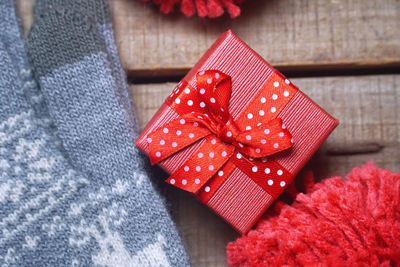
(353, 222)
(203, 8)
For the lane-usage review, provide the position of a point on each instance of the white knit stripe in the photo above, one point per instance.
(12, 121)
(15, 127)
(27, 150)
(11, 190)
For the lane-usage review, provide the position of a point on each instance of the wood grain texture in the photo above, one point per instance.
(367, 107)
(289, 34)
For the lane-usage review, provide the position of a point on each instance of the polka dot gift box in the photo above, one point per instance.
(235, 132)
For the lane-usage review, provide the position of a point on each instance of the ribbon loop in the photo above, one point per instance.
(265, 140)
(215, 88)
(176, 135)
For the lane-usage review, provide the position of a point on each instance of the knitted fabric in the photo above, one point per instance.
(73, 189)
(203, 8)
(353, 222)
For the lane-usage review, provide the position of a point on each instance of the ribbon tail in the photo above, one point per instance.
(212, 186)
(269, 175)
(202, 165)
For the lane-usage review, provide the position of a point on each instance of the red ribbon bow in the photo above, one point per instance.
(204, 119)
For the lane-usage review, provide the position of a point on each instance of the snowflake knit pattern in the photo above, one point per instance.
(73, 189)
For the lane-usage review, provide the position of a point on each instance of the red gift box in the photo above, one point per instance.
(235, 132)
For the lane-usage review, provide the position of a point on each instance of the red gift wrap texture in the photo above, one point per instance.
(239, 197)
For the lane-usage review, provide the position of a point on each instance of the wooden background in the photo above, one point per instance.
(345, 54)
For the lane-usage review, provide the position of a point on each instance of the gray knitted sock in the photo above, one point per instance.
(38, 189)
(52, 215)
(98, 11)
(97, 130)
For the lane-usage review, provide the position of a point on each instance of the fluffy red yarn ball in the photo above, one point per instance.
(203, 8)
(353, 222)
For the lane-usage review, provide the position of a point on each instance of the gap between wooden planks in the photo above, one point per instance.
(291, 35)
(367, 107)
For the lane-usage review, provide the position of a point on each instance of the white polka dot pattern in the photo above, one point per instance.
(268, 174)
(203, 165)
(264, 140)
(174, 136)
(267, 104)
(262, 134)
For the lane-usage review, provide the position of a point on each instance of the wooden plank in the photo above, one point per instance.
(367, 107)
(24, 10)
(290, 34)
